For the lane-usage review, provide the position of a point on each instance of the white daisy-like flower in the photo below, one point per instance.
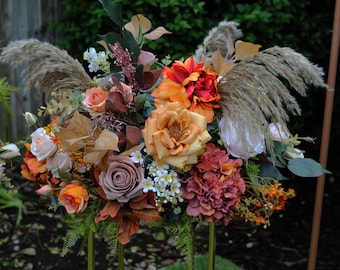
(137, 157)
(148, 184)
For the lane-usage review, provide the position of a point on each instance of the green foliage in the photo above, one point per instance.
(5, 94)
(11, 199)
(109, 230)
(182, 232)
(201, 263)
(79, 227)
(306, 167)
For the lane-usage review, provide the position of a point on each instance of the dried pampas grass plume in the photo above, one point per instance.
(46, 67)
(257, 90)
(220, 38)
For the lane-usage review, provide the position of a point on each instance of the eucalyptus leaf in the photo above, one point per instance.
(268, 170)
(279, 148)
(140, 101)
(306, 167)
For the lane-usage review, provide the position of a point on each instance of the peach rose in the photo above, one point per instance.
(95, 99)
(175, 135)
(123, 179)
(74, 198)
(42, 146)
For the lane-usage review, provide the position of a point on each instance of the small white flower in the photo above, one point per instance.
(148, 185)
(137, 157)
(97, 61)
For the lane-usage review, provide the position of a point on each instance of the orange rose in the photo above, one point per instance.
(175, 135)
(95, 99)
(74, 198)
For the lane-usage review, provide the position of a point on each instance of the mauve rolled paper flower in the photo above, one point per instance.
(123, 179)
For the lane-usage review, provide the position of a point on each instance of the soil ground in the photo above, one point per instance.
(36, 243)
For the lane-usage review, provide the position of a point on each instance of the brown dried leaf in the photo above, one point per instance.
(157, 33)
(107, 140)
(244, 49)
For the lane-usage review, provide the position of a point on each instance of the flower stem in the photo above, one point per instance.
(120, 256)
(90, 251)
(212, 246)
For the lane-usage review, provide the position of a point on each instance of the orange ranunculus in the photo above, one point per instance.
(95, 99)
(193, 86)
(175, 135)
(32, 169)
(74, 198)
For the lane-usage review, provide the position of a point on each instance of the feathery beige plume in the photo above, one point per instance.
(257, 90)
(46, 67)
(220, 38)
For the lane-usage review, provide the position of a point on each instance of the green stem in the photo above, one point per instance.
(191, 254)
(120, 256)
(212, 246)
(90, 251)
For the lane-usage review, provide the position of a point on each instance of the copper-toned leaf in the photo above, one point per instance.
(244, 49)
(110, 209)
(107, 140)
(128, 228)
(150, 78)
(133, 135)
(148, 215)
(157, 33)
(115, 103)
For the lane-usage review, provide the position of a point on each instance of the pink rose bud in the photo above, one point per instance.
(30, 118)
(45, 190)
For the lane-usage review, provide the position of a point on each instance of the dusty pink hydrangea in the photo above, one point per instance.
(214, 186)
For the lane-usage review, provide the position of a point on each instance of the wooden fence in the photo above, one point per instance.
(23, 19)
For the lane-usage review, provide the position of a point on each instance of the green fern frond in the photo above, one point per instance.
(108, 229)
(5, 92)
(79, 226)
(182, 232)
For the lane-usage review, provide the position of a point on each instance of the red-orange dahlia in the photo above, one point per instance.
(193, 86)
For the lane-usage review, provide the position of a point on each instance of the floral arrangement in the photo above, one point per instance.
(146, 141)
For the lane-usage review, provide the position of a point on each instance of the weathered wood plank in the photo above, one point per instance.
(22, 19)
